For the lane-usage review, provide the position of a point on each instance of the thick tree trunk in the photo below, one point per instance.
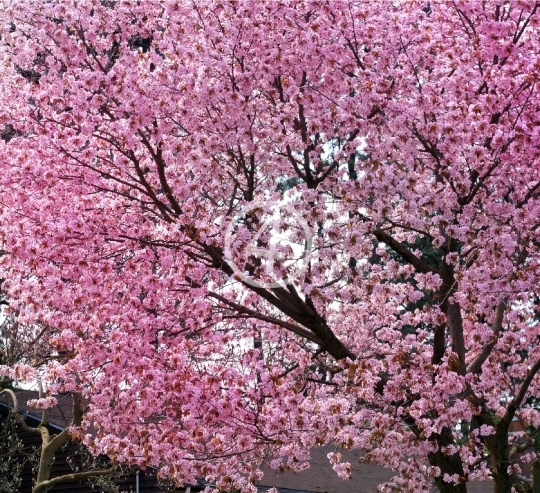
(536, 476)
(448, 464)
(48, 448)
(499, 453)
(51, 445)
(503, 480)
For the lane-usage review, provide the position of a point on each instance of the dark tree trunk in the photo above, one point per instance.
(536, 476)
(503, 480)
(448, 464)
(499, 453)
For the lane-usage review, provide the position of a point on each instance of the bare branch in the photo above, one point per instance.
(45, 486)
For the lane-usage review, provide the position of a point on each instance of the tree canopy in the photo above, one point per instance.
(166, 165)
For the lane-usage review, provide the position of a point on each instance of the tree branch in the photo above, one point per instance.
(251, 313)
(518, 399)
(45, 486)
(477, 363)
(13, 398)
(405, 253)
(15, 411)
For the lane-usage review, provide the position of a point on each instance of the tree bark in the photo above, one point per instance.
(448, 464)
(48, 448)
(499, 453)
(536, 476)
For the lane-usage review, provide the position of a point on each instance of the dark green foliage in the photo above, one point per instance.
(287, 184)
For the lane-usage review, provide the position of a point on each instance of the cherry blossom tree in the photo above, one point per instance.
(403, 136)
